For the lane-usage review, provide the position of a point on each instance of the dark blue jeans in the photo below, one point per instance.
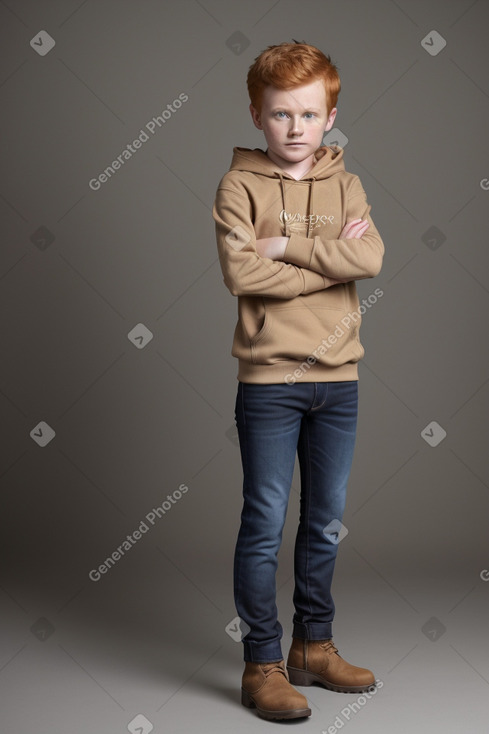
(318, 421)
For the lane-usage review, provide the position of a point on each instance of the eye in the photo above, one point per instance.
(280, 114)
(309, 115)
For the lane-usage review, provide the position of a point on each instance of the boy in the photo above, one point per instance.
(294, 233)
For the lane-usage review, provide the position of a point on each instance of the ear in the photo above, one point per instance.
(331, 119)
(255, 116)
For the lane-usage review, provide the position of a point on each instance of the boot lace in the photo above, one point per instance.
(329, 647)
(273, 668)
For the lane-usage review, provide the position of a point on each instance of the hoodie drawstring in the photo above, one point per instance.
(310, 206)
(283, 201)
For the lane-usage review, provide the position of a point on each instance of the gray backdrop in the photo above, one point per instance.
(117, 385)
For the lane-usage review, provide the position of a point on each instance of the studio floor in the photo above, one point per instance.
(133, 656)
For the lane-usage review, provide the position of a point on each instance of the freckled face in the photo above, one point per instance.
(294, 121)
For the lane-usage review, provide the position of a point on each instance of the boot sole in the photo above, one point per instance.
(298, 677)
(247, 700)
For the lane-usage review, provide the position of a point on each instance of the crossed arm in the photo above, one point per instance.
(287, 267)
(274, 247)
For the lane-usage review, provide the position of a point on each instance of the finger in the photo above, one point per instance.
(363, 226)
(358, 230)
(351, 223)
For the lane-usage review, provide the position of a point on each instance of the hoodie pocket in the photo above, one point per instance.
(326, 335)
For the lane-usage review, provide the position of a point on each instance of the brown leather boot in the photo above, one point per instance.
(318, 661)
(266, 687)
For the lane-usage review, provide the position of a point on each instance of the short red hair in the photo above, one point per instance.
(289, 65)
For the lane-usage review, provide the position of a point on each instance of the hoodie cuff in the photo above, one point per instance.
(299, 250)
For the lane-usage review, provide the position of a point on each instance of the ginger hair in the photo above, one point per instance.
(289, 65)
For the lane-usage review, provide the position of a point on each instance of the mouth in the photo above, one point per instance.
(294, 144)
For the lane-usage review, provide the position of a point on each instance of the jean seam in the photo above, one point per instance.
(307, 490)
(241, 412)
(318, 407)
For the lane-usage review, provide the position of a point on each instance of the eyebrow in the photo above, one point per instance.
(306, 109)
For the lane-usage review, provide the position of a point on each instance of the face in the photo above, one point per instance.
(294, 121)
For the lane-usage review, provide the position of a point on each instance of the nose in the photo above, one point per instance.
(296, 128)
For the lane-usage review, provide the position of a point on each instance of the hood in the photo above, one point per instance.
(329, 162)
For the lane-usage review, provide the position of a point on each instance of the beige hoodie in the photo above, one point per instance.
(293, 324)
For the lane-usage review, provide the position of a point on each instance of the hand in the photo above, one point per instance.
(272, 247)
(354, 229)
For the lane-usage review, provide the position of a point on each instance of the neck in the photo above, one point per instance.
(296, 170)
